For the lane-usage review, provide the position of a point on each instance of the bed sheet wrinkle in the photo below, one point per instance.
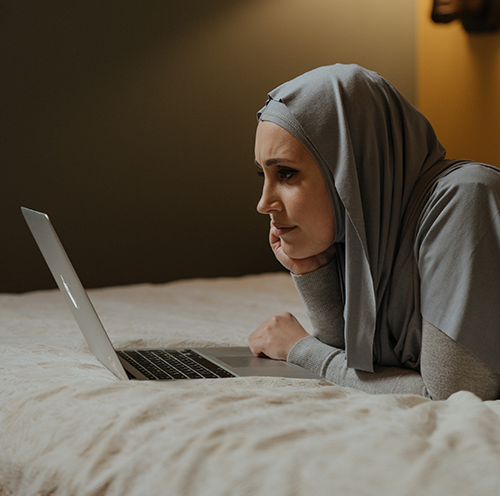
(68, 427)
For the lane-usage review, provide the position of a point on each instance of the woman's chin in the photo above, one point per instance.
(295, 252)
(301, 251)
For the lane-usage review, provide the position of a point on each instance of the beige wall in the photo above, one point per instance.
(131, 123)
(459, 87)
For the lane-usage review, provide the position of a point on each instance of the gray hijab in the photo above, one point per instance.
(379, 157)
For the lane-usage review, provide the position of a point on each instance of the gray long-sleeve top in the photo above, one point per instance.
(445, 365)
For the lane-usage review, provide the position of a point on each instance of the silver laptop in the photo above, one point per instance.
(152, 364)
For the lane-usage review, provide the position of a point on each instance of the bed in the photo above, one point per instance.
(70, 427)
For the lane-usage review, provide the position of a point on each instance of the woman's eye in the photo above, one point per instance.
(286, 174)
(260, 173)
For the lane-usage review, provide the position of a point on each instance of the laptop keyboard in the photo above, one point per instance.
(173, 364)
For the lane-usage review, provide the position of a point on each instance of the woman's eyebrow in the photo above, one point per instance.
(274, 161)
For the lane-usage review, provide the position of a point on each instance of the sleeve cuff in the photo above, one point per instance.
(320, 276)
(312, 354)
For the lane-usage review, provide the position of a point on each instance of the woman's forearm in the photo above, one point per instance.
(322, 297)
(330, 363)
(323, 353)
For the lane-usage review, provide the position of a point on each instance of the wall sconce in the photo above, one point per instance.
(476, 15)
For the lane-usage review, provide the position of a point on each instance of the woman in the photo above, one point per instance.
(394, 250)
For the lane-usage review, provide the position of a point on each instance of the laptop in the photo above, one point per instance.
(146, 364)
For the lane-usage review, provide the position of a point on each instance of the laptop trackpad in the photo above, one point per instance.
(243, 361)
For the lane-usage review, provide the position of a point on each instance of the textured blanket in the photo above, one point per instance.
(69, 427)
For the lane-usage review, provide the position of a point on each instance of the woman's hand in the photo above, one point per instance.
(300, 266)
(276, 336)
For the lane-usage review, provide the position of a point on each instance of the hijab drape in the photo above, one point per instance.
(379, 157)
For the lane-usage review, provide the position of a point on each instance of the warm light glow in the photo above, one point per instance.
(458, 86)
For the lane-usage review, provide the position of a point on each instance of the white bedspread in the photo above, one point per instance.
(69, 427)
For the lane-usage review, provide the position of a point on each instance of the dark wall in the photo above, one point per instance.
(131, 123)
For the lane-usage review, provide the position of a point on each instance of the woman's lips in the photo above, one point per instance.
(280, 229)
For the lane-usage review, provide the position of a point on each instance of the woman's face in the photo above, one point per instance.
(294, 195)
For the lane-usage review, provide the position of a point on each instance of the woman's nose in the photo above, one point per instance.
(269, 202)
